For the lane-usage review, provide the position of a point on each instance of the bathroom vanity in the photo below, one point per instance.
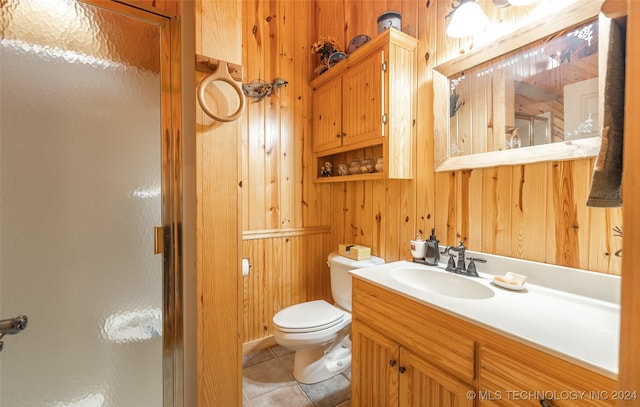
(488, 346)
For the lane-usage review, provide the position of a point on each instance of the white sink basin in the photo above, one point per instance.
(442, 283)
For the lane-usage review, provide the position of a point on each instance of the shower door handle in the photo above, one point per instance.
(12, 326)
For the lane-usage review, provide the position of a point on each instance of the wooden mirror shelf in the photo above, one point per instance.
(484, 142)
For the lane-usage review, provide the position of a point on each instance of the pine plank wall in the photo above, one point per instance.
(290, 224)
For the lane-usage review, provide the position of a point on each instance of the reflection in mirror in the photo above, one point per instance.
(545, 92)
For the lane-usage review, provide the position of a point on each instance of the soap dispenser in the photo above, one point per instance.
(432, 255)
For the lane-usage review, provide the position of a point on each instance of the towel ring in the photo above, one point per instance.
(220, 74)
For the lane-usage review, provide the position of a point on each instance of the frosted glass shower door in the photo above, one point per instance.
(80, 193)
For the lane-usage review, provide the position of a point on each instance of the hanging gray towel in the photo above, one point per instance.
(607, 176)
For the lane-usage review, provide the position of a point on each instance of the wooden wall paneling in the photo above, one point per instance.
(360, 17)
(317, 201)
(322, 277)
(411, 15)
(393, 209)
(254, 284)
(284, 102)
(424, 154)
(256, 44)
(218, 233)
(445, 207)
(273, 284)
(272, 121)
(407, 218)
(339, 210)
(528, 200)
(358, 202)
(378, 243)
(496, 210)
(330, 20)
(472, 182)
(562, 218)
(567, 216)
(300, 102)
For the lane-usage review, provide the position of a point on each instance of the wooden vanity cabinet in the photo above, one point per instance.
(399, 362)
(365, 107)
(406, 353)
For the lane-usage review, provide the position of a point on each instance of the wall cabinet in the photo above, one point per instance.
(406, 353)
(364, 107)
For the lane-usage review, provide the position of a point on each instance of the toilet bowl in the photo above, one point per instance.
(319, 331)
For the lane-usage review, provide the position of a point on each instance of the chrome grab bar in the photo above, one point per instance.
(12, 326)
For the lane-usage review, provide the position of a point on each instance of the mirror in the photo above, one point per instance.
(533, 96)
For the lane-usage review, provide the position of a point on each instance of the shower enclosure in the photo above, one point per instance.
(89, 190)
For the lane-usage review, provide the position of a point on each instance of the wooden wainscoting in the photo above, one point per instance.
(288, 266)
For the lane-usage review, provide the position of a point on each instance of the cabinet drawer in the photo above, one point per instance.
(507, 380)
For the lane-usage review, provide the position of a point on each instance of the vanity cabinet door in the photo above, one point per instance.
(326, 121)
(422, 384)
(363, 100)
(374, 368)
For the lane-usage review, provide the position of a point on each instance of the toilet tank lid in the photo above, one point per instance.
(335, 259)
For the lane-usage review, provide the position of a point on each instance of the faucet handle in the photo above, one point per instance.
(451, 264)
(471, 267)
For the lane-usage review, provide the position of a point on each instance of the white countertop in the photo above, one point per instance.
(582, 326)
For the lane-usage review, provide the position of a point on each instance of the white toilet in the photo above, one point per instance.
(318, 331)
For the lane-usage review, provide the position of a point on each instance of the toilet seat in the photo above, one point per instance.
(308, 316)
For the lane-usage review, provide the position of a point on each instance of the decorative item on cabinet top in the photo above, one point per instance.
(325, 47)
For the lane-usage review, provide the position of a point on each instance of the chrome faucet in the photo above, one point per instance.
(460, 267)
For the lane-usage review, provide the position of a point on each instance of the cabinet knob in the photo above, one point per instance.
(546, 403)
(392, 363)
(402, 369)
(338, 135)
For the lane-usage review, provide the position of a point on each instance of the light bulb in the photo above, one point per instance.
(521, 2)
(467, 20)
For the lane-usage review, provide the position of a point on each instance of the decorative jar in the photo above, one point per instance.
(366, 165)
(343, 168)
(379, 164)
(354, 167)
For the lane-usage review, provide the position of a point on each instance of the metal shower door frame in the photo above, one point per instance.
(172, 191)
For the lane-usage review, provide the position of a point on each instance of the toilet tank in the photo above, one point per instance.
(341, 279)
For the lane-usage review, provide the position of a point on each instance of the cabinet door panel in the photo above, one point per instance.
(422, 384)
(363, 99)
(374, 371)
(327, 116)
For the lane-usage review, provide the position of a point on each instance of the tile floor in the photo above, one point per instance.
(267, 382)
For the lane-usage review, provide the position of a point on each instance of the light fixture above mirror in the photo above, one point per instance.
(521, 2)
(467, 19)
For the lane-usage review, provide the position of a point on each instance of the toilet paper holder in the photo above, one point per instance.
(246, 265)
